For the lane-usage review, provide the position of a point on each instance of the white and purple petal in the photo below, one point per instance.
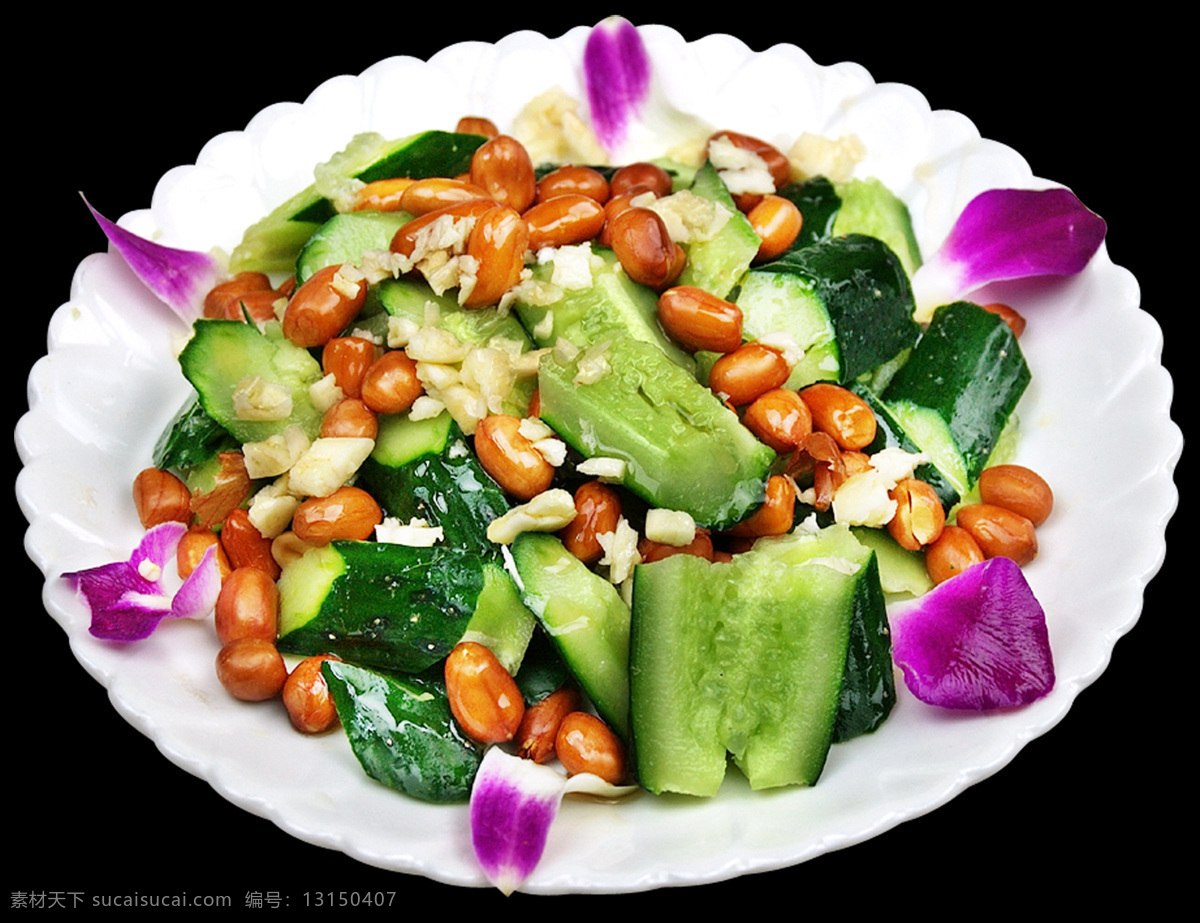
(513, 803)
(180, 278)
(617, 74)
(198, 594)
(1006, 234)
(976, 641)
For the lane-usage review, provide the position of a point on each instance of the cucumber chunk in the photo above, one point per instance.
(584, 316)
(224, 355)
(683, 449)
(402, 732)
(388, 606)
(345, 238)
(846, 299)
(747, 658)
(717, 264)
(584, 616)
(424, 469)
(960, 386)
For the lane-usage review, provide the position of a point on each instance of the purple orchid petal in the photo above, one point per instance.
(976, 641)
(513, 803)
(617, 72)
(127, 599)
(180, 278)
(1007, 234)
(198, 595)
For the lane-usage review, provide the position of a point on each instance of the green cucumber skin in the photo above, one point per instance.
(867, 294)
(683, 449)
(869, 683)
(443, 483)
(392, 606)
(191, 438)
(968, 368)
(818, 202)
(403, 734)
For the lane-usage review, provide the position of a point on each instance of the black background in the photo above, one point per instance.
(1082, 813)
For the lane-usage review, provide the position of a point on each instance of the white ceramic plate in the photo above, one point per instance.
(101, 396)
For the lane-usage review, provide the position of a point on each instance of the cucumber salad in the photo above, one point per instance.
(493, 462)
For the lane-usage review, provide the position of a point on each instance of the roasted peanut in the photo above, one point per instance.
(777, 222)
(919, 517)
(641, 177)
(327, 301)
(347, 360)
(426, 195)
(347, 513)
(350, 417)
(776, 515)
(382, 195)
(248, 606)
(161, 497)
(244, 545)
(510, 457)
(191, 548)
(1016, 323)
(390, 384)
(842, 414)
(251, 669)
(856, 462)
(586, 744)
(476, 125)
(644, 248)
(536, 736)
(498, 242)
(780, 419)
(405, 240)
(819, 457)
(747, 373)
(502, 168)
(697, 319)
(777, 163)
(953, 552)
(613, 207)
(570, 218)
(230, 487)
(307, 697)
(218, 300)
(484, 697)
(999, 532)
(1016, 488)
(573, 180)
(598, 510)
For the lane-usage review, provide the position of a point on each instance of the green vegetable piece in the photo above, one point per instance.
(191, 438)
(425, 469)
(402, 732)
(870, 208)
(584, 616)
(612, 303)
(868, 682)
(224, 356)
(853, 286)
(955, 395)
(749, 658)
(683, 449)
(345, 238)
(382, 605)
(819, 204)
(717, 264)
